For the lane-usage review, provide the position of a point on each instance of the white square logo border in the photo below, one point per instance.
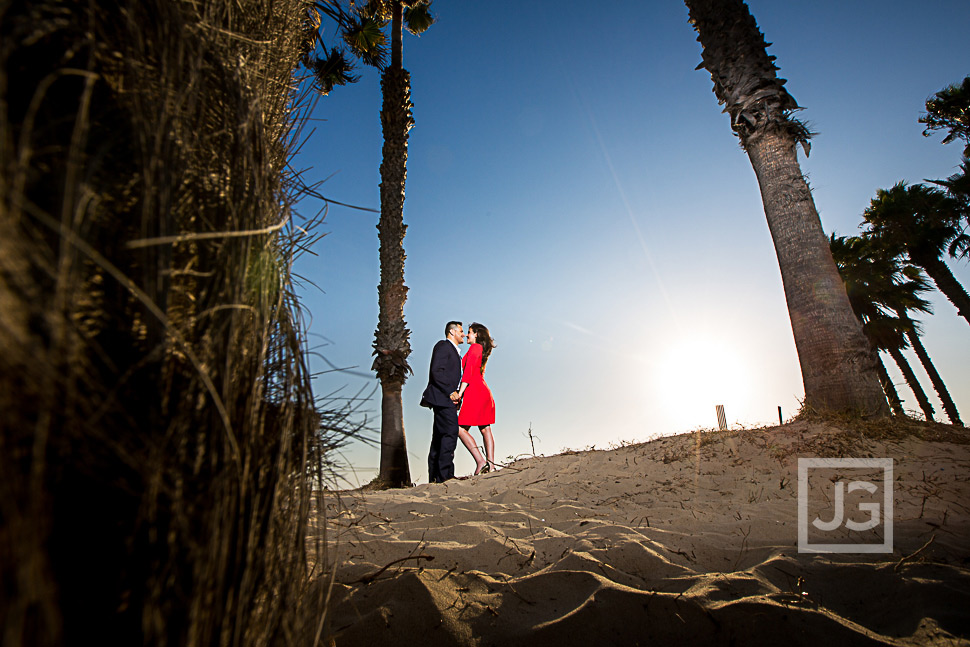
(805, 464)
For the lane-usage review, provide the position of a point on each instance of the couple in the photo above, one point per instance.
(460, 399)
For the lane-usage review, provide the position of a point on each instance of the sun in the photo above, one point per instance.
(698, 372)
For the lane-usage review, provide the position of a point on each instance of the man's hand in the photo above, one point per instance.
(454, 397)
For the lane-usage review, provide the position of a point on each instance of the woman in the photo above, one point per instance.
(477, 405)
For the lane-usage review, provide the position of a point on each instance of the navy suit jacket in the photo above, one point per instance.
(444, 376)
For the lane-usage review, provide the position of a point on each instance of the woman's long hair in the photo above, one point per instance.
(485, 339)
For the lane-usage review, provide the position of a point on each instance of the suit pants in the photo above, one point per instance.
(444, 439)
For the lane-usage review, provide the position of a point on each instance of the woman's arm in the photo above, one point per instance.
(472, 365)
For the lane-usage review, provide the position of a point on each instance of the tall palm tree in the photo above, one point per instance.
(915, 276)
(921, 222)
(912, 334)
(391, 345)
(878, 291)
(391, 339)
(838, 366)
(949, 110)
(363, 32)
(889, 333)
(856, 276)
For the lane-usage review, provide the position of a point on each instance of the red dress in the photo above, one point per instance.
(477, 404)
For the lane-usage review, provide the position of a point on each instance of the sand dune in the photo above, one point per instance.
(683, 539)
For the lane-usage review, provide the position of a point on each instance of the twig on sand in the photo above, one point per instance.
(508, 583)
(744, 545)
(367, 579)
(914, 554)
(448, 572)
(504, 466)
(684, 555)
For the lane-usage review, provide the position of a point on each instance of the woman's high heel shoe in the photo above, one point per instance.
(481, 470)
(487, 468)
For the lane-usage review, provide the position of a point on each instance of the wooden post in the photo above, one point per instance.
(721, 418)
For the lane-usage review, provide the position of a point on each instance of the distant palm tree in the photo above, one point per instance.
(363, 33)
(878, 290)
(958, 186)
(391, 345)
(856, 273)
(949, 109)
(923, 223)
(912, 334)
(839, 369)
(333, 68)
(912, 328)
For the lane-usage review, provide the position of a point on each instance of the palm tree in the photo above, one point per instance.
(363, 33)
(333, 68)
(890, 337)
(391, 339)
(839, 369)
(921, 222)
(856, 276)
(949, 109)
(912, 334)
(391, 346)
(958, 186)
(912, 328)
(878, 290)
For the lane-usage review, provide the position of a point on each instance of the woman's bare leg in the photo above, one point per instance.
(489, 443)
(469, 443)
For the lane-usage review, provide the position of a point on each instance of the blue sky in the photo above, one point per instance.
(573, 185)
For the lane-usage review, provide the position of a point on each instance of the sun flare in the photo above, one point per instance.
(696, 373)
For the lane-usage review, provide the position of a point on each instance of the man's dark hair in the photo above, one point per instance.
(451, 326)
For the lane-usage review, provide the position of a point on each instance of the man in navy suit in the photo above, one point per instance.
(442, 397)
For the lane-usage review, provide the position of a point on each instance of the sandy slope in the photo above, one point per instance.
(684, 539)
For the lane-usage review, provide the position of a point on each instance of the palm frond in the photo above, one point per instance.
(880, 288)
(744, 74)
(375, 9)
(958, 186)
(418, 18)
(365, 38)
(331, 71)
(960, 246)
(949, 110)
(333, 10)
(915, 218)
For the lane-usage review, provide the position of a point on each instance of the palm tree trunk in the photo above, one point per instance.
(839, 369)
(391, 344)
(946, 282)
(891, 394)
(394, 470)
(397, 35)
(948, 406)
(910, 376)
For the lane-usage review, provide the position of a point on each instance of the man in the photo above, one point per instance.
(441, 396)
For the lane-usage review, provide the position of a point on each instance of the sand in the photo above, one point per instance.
(686, 539)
